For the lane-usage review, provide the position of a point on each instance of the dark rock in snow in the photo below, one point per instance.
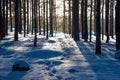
(117, 54)
(20, 65)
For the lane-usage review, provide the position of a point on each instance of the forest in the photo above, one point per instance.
(85, 16)
(91, 30)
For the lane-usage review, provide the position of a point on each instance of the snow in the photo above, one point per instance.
(20, 65)
(117, 54)
(58, 58)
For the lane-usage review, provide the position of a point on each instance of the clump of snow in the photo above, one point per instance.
(21, 65)
(117, 54)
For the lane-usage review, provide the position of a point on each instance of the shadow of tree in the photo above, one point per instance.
(104, 65)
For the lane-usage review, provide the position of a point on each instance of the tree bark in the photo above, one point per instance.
(98, 29)
(75, 19)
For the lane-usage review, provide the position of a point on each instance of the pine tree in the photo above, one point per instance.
(75, 19)
(98, 29)
(16, 20)
(1, 22)
(117, 18)
(107, 21)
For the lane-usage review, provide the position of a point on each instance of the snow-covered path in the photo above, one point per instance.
(59, 58)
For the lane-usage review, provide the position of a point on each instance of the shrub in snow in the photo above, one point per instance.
(117, 54)
(20, 65)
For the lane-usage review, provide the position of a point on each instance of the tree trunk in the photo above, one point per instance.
(51, 18)
(107, 21)
(91, 20)
(103, 19)
(69, 25)
(6, 30)
(98, 29)
(111, 18)
(35, 23)
(16, 20)
(46, 19)
(27, 16)
(1, 21)
(85, 22)
(11, 16)
(117, 18)
(24, 18)
(75, 19)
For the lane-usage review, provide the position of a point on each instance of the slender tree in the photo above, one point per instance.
(10, 2)
(63, 16)
(69, 25)
(4, 18)
(27, 16)
(107, 20)
(40, 16)
(85, 22)
(102, 23)
(24, 17)
(51, 17)
(117, 17)
(98, 29)
(16, 20)
(6, 30)
(47, 19)
(82, 18)
(35, 23)
(91, 20)
(44, 28)
(1, 21)
(111, 18)
(75, 19)
(20, 17)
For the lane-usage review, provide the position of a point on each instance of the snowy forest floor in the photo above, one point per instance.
(58, 58)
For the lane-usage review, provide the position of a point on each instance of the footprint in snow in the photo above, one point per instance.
(52, 72)
(59, 77)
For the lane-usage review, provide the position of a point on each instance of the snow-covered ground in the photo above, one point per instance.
(58, 58)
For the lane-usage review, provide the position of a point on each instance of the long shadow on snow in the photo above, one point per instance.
(14, 76)
(43, 54)
(104, 66)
